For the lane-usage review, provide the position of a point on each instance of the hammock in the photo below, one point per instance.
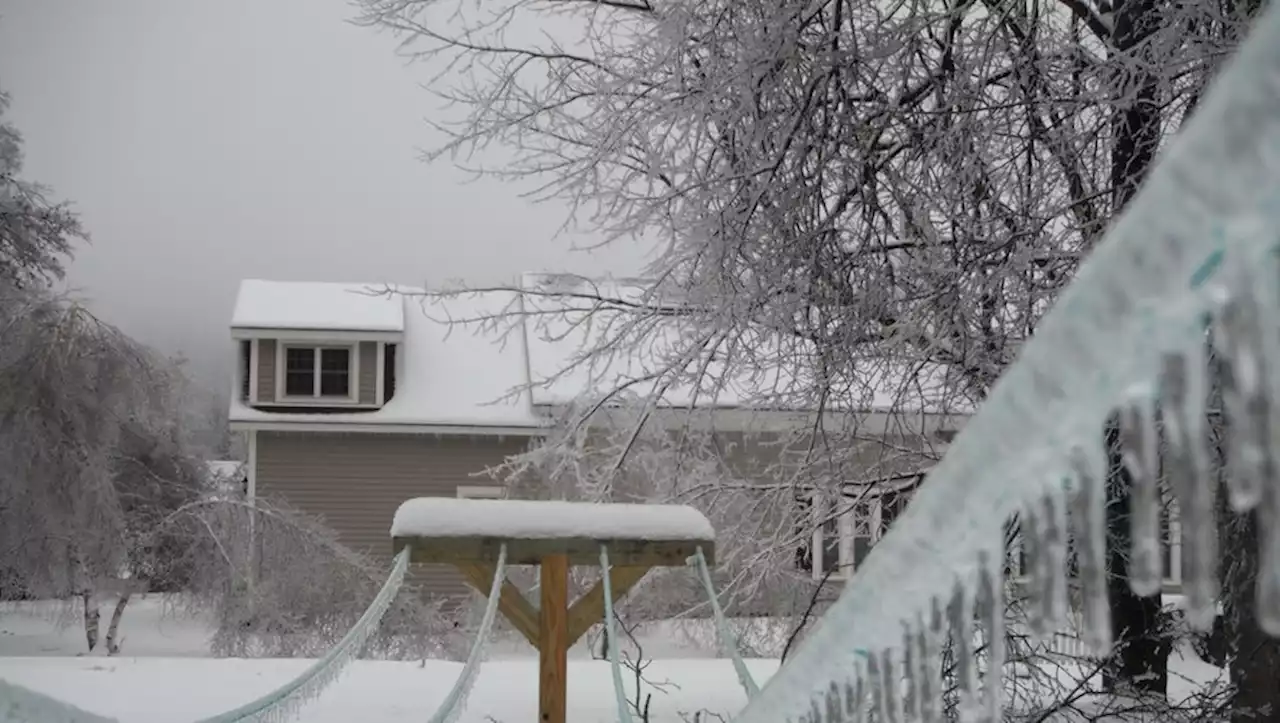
(21, 705)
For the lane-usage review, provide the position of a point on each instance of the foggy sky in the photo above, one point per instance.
(205, 142)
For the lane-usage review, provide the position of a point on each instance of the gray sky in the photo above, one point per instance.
(205, 142)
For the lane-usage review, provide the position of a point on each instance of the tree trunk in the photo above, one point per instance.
(113, 629)
(91, 618)
(1141, 662)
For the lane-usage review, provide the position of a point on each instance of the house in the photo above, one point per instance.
(353, 400)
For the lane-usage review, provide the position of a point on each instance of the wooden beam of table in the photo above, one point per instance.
(589, 609)
(511, 602)
(553, 632)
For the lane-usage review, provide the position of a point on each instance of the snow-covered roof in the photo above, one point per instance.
(449, 375)
(473, 375)
(539, 520)
(308, 305)
(565, 319)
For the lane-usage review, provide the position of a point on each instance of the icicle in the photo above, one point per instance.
(1139, 448)
(1029, 525)
(991, 610)
(1090, 496)
(1182, 386)
(910, 708)
(833, 705)
(1239, 340)
(856, 699)
(874, 682)
(1267, 338)
(960, 612)
(930, 642)
(890, 687)
(1268, 592)
(1047, 532)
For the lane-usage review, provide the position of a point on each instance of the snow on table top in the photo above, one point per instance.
(527, 519)
(316, 305)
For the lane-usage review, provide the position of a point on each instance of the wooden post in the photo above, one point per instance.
(553, 634)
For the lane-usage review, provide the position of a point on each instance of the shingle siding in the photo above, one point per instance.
(368, 389)
(266, 370)
(356, 481)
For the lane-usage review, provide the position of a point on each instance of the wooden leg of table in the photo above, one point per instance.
(553, 635)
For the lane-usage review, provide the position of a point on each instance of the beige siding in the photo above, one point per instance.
(356, 481)
(369, 371)
(266, 370)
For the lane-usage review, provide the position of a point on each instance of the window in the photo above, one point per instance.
(845, 529)
(1018, 566)
(323, 372)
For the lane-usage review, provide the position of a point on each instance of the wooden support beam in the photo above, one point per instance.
(589, 609)
(511, 602)
(553, 632)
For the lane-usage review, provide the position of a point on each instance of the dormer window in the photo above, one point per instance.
(317, 372)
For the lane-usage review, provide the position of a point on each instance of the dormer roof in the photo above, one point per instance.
(316, 306)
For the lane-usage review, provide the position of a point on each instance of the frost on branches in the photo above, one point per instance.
(847, 197)
(35, 235)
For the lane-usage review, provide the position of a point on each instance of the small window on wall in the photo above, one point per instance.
(318, 372)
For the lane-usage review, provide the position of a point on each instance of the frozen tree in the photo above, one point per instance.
(35, 234)
(863, 196)
(92, 454)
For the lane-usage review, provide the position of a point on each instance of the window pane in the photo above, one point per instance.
(299, 371)
(299, 359)
(335, 372)
(831, 545)
(863, 530)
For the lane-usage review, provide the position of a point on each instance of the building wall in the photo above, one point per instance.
(355, 482)
(367, 391)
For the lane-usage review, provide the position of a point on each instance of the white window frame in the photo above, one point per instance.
(480, 492)
(353, 373)
(847, 525)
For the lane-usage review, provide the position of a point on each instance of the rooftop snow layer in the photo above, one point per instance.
(461, 376)
(536, 520)
(567, 320)
(316, 305)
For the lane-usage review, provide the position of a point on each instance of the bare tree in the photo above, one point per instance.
(854, 193)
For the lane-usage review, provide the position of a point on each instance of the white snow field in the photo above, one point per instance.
(168, 675)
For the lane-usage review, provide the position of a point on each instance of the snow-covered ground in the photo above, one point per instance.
(166, 675)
